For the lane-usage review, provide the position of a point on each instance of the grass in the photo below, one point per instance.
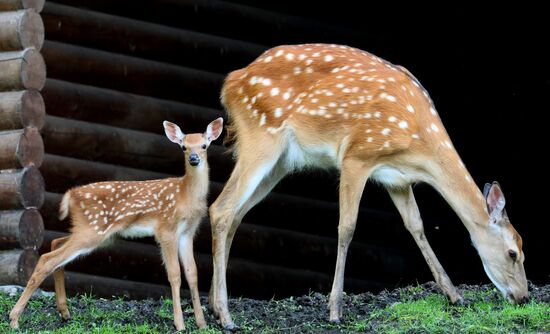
(413, 311)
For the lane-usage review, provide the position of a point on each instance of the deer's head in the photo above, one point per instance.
(500, 248)
(194, 145)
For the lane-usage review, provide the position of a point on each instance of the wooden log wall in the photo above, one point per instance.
(116, 70)
(22, 76)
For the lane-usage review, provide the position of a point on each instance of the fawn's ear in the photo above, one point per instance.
(214, 129)
(173, 132)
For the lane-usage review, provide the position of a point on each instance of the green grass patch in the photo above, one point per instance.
(408, 310)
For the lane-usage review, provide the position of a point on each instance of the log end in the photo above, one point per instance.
(31, 188)
(30, 150)
(16, 266)
(33, 109)
(33, 70)
(34, 4)
(31, 30)
(31, 230)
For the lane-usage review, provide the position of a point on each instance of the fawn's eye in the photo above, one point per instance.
(184, 148)
(203, 146)
(513, 254)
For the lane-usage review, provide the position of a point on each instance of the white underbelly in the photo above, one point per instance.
(138, 231)
(391, 177)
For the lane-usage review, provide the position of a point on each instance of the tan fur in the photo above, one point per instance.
(169, 209)
(332, 106)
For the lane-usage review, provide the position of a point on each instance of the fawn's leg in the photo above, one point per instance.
(59, 279)
(190, 269)
(169, 248)
(47, 263)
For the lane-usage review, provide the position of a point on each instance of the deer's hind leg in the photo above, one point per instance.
(59, 279)
(73, 247)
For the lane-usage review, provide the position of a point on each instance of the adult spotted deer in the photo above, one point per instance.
(169, 209)
(331, 106)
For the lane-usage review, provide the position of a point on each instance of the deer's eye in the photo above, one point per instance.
(513, 254)
(203, 146)
(184, 148)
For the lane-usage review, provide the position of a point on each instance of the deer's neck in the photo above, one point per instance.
(195, 182)
(456, 185)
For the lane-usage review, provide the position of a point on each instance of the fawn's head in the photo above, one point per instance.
(194, 145)
(500, 248)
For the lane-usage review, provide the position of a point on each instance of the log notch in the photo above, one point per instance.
(21, 109)
(22, 70)
(16, 266)
(20, 30)
(6, 5)
(21, 229)
(20, 148)
(22, 188)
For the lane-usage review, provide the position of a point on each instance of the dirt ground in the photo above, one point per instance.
(291, 315)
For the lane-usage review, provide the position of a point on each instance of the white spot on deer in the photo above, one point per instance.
(392, 119)
(309, 62)
(297, 70)
(403, 124)
(289, 56)
(329, 58)
(385, 131)
(253, 80)
(410, 108)
(278, 112)
(268, 59)
(309, 70)
(266, 82)
(262, 119)
(316, 54)
(391, 98)
(386, 144)
(274, 91)
(370, 139)
(302, 56)
(434, 127)
(286, 95)
(377, 114)
(279, 53)
(87, 195)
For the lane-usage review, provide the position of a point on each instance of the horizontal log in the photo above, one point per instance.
(21, 148)
(63, 173)
(22, 70)
(6, 5)
(16, 266)
(96, 142)
(20, 30)
(238, 21)
(21, 229)
(111, 107)
(21, 109)
(130, 74)
(107, 287)
(146, 40)
(142, 262)
(305, 250)
(21, 188)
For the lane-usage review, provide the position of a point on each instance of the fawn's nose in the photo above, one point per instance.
(194, 159)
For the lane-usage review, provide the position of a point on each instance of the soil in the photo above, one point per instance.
(287, 315)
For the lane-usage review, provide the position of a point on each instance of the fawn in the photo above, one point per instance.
(333, 106)
(169, 209)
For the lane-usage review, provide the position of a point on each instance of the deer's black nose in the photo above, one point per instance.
(194, 159)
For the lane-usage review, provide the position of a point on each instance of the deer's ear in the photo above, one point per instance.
(214, 129)
(173, 132)
(495, 201)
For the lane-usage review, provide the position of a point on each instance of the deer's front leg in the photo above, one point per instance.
(169, 246)
(407, 207)
(352, 182)
(190, 270)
